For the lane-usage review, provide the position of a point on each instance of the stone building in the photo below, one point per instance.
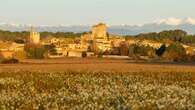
(93, 42)
(6, 54)
(97, 39)
(10, 49)
(99, 31)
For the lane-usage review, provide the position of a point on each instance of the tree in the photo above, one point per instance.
(124, 49)
(174, 35)
(131, 50)
(166, 36)
(20, 36)
(161, 50)
(35, 52)
(140, 50)
(175, 52)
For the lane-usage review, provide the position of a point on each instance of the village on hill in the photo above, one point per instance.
(95, 43)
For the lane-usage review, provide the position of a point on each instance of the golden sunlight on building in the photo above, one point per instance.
(6, 54)
(34, 37)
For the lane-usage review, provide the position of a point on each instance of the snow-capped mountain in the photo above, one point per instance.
(187, 25)
(176, 21)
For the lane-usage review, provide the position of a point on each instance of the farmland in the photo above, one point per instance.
(97, 84)
(95, 65)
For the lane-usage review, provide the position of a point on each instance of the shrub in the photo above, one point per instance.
(53, 51)
(9, 61)
(84, 54)
(100, 54)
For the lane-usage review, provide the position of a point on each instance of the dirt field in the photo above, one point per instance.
(93, 65)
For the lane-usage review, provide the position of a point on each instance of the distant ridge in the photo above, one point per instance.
(187, 25)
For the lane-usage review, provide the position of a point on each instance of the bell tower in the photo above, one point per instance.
(34, 36)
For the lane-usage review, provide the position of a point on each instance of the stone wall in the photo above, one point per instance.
(75, 54)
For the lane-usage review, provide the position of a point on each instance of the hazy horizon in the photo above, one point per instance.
(88, 12)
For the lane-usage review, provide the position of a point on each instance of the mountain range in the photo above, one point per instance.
(187, 25)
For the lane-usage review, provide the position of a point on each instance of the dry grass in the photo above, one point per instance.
(96, 91)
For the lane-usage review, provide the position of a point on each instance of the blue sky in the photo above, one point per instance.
(74, 12)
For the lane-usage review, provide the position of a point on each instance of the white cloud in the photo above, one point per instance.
(170, 21)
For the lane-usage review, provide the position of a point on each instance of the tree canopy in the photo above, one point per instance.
(18, 36)
(165, 36)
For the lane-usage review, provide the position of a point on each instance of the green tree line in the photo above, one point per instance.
(14, 36)
(171, 35)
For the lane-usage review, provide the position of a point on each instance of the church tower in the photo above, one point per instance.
(34, 36)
